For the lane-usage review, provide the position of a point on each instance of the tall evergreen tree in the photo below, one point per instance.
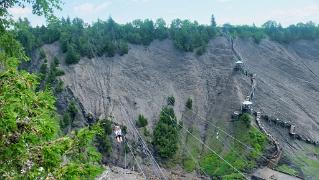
(212, 21)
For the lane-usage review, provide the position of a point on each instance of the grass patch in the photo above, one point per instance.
(307, 161)
(309, 166)
(190, 149)
(234, 152)
(212, 141)
(215, 167)
(189, 165)
(286, 169)
(231, 150)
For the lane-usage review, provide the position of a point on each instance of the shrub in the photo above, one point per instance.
(51, 77)
(72, 109)
(189, 103)
(59, 87)
(122, 48)
(107, 126)
(42, 54)
(201, 50)
(189, 164)
(72, 57)
(146, 132)
(258, 36)
(171, 100)
(59, 72)
(124, 129)
(245, 118)
(56, 61)
(141, 121)
(104, 143)
(109, 48)
(257, 141)
(43, 68)
(66, 120)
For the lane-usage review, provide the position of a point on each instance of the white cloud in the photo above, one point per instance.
(89, 8)
(295, 15)
(20, 12)
(285, 16)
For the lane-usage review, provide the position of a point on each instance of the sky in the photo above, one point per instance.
(236, 12)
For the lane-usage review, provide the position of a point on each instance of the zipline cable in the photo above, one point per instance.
(201, 141)
(193, 158)
(144, 145)
(217, 127)
(132, 124)
(208, 147)
(137, 163)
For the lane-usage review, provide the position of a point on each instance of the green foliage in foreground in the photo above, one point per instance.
(165, 137)
(30, 144)
(103, 139)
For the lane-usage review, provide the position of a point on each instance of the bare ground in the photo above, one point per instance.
(139, 82)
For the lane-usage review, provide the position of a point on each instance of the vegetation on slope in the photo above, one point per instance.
(308, 165)
(193, 158)
(165, 136)
(275, 31)
(31, 146)
(286, 169)
(110, 38)
(141, 121)
(237, 155)
(179, 147)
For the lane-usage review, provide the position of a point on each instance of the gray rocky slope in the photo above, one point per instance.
(139, 82)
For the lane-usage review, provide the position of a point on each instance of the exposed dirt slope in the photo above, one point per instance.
(288, 89)
(140, 81)
(288, 85)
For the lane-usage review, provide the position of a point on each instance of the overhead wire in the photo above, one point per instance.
(144, 145)
(199, 140)
(194, 159)
(137, 163)
(217, 127)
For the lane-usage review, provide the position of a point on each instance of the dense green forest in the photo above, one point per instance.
(109, 38)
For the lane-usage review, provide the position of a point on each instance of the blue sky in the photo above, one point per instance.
(225, 11)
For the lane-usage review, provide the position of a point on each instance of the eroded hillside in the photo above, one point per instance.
(139, 82)
(287, 90)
